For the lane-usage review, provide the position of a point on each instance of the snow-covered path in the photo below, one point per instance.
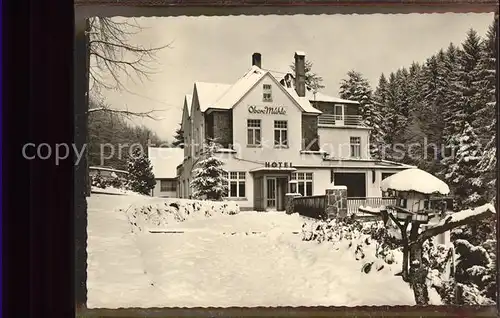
(249, 259)
(115, 269)
(256, 259)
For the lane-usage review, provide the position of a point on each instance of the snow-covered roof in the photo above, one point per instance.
(310, 95)
(165, 161)
(240, 88)
(224, 96)
(302, 101)
(415, 180)
(107, 169)
(300, 53)
(188, 99)
(320, 97)
(208, 93)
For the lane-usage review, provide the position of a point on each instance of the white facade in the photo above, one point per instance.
(267, 138)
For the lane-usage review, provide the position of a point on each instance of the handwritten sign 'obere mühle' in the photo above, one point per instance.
(267, 110)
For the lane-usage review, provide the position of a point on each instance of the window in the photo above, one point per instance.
(253, 132)
(426, 205)
(280, 133)
(304, 182)
(267, 94)
(355, 147)
(167, 186)
(236, 184)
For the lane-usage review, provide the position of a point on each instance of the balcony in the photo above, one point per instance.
(327, 120)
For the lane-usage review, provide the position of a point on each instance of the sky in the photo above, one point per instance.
(219, 49)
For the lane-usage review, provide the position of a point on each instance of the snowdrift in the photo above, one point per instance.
(159, 213)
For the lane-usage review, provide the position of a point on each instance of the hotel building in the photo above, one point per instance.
(278, 136)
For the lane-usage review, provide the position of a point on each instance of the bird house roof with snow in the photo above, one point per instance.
(415, 180)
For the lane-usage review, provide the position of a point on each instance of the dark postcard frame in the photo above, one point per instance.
(88, 8)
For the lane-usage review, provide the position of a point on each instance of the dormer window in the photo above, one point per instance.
(267, 93)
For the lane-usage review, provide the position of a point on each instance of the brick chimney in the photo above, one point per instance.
(300, 73)
(257, 60)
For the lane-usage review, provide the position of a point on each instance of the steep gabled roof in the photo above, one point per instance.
(231, 95)
(187, 101)
(234, 94)
(208, 93)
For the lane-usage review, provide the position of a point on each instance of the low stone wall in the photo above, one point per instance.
(331, 205)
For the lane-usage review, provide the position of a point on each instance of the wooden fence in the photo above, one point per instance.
(311, 206)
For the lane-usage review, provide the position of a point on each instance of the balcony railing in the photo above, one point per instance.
(353, 203)
(327, 120)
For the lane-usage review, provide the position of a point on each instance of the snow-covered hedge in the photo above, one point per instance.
(162, 212)
(356, 238)
(377, 250)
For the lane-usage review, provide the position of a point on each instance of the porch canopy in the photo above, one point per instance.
(272, 170)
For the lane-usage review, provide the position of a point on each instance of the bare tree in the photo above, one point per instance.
(114, 59)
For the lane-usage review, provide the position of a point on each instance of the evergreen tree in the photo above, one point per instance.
(415, 134)
(179, 138)
(463, 171)
(380, 101)
(469, 74)
(484, 116)
(140, 176)
(391, 117)
(357, 88)
(209, 181)
(454, 114)
(434, 80)
(313, 80)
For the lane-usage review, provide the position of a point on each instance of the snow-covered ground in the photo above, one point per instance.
(247, 259)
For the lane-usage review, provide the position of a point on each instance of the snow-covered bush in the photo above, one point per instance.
(357, 237)
(99, 181)
(171, 211)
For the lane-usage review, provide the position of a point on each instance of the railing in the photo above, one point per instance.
(311, 206)
(353, 203)
(326, 120)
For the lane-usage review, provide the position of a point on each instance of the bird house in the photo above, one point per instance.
(413, 189)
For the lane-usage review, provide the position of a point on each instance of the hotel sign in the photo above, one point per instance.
(267, 110)
(278, 164)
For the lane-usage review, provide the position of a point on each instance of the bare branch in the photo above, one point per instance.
(455, 220)
(114, 58)
(124, 112)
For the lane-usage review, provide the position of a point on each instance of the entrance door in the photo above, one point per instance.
(271, 193)
(339, 115)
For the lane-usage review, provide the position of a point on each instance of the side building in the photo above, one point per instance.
(275, 132)
(164, 162)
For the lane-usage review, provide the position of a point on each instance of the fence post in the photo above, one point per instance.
(336, 201)
(289, 206)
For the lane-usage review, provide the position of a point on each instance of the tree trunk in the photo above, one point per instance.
(418, 273)
(406, 252)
